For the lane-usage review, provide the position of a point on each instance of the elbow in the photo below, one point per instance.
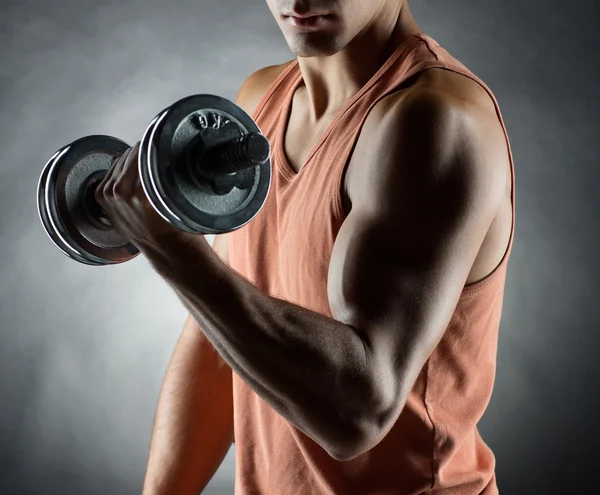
(342, 442)
(344, 453)
(370, 430)
(366, 429)
(365, 434)
(353, 447)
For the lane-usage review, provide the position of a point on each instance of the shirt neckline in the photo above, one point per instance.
(283, 165)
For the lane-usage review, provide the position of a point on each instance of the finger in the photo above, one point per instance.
(138, 185)
(104, 188)
(99, 191)
(110, 172)
(125, 182)
(117, 169)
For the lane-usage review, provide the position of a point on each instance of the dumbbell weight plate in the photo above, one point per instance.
(146, 179)
(172, 191)
(49, 223)
(62, 211)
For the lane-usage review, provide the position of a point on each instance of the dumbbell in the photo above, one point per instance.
(203, 163)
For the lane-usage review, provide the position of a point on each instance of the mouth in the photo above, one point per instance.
(308, 21)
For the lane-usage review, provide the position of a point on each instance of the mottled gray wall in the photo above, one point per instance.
(84, 349)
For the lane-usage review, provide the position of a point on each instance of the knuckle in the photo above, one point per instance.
(118, 191)
(107, 189)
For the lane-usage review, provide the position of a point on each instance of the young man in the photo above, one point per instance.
(347, 335)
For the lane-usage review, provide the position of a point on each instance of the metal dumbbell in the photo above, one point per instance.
(203, 164)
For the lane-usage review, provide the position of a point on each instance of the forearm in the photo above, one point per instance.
(310, 368)
(193, 423)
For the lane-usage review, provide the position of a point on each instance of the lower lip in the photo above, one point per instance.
(312, 22)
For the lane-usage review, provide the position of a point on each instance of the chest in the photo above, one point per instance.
(301, 138)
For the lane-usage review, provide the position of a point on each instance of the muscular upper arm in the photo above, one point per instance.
(430, 188)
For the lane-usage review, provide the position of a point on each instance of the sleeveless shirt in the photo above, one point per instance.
(434, 447)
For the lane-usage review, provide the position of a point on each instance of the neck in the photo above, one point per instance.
(329, 82)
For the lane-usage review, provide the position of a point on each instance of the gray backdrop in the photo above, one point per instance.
(84, 349)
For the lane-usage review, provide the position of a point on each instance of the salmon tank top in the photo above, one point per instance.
(434, 447)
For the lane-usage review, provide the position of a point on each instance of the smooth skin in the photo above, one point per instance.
(427, 193)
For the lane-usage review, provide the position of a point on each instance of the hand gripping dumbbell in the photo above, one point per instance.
(203, 164)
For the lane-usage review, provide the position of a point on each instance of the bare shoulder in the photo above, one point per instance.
(438, 108)
(251, 92)
(471, 112)
(456, 85)
(442, 88)
(256, 84)
(441, 102)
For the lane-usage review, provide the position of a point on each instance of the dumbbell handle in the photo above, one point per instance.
(247, 151)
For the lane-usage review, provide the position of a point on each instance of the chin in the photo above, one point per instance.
(306, 48)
